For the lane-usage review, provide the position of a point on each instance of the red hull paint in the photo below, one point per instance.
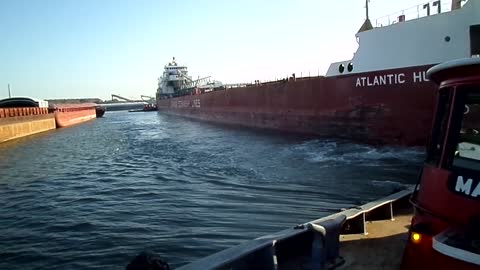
(374, 107)
(68, 118)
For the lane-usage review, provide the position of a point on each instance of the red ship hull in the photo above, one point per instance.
(65, 117)
(386, 107)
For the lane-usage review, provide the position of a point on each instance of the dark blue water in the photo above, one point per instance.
(95, 195)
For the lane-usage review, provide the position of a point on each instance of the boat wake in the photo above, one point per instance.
(344, 153)
(394, 185)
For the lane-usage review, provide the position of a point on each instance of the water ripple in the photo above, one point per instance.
(94, 195)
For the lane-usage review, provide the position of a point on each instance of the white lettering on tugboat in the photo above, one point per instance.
(390, 79)
(466, 187)
(195, 103)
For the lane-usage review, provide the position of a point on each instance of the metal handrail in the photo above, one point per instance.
(262, 251)
(414, 12)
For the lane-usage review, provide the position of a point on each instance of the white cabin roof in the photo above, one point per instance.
(427, 40)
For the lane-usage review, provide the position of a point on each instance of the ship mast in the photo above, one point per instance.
(367, 25)
(9, 91)
(366, 8)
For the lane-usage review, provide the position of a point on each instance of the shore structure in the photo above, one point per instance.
(20, 117)
(23, 116)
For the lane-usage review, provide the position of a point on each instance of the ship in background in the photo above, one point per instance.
(24, 116)
(72, 114)
(382, 95)
(175, 82)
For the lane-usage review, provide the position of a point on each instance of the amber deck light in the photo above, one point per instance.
(415, 237)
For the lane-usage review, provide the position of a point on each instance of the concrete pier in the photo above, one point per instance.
(21, 126)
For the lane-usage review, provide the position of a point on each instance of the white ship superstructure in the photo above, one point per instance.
(175, 81)
(174, 78)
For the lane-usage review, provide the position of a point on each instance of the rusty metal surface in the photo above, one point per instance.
(68, 118)
(382, 248)
(15, 112)
(327, 106)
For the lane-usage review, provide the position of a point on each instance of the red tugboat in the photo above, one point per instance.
(445, 229)
(146, 108)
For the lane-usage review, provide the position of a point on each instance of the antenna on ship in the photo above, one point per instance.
(9, 92)
(367, 25)
(366, 8)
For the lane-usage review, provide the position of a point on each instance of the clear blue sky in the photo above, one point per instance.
(93, 48)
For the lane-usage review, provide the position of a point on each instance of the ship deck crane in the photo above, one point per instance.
(120, 98)
(143, 97)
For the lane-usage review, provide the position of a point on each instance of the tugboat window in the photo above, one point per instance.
(475, 39)
(341, 68)
(467, 153)
(441, 120)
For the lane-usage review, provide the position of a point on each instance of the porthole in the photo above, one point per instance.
(350, 67)
(447, 39)
(341, 68)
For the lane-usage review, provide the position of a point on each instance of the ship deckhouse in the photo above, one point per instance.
(401, 41)
(174, 77)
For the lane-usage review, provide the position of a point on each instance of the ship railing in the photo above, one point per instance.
(415, 12)
(315, 243)
(190, 89)
(17, 112)
(276, 81)
(236, 85)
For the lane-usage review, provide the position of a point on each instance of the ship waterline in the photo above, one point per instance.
(388, 107)
(72, 114)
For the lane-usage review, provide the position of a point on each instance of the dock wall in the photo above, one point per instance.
(20, 122)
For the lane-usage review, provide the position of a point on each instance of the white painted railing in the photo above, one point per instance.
(415, 12)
